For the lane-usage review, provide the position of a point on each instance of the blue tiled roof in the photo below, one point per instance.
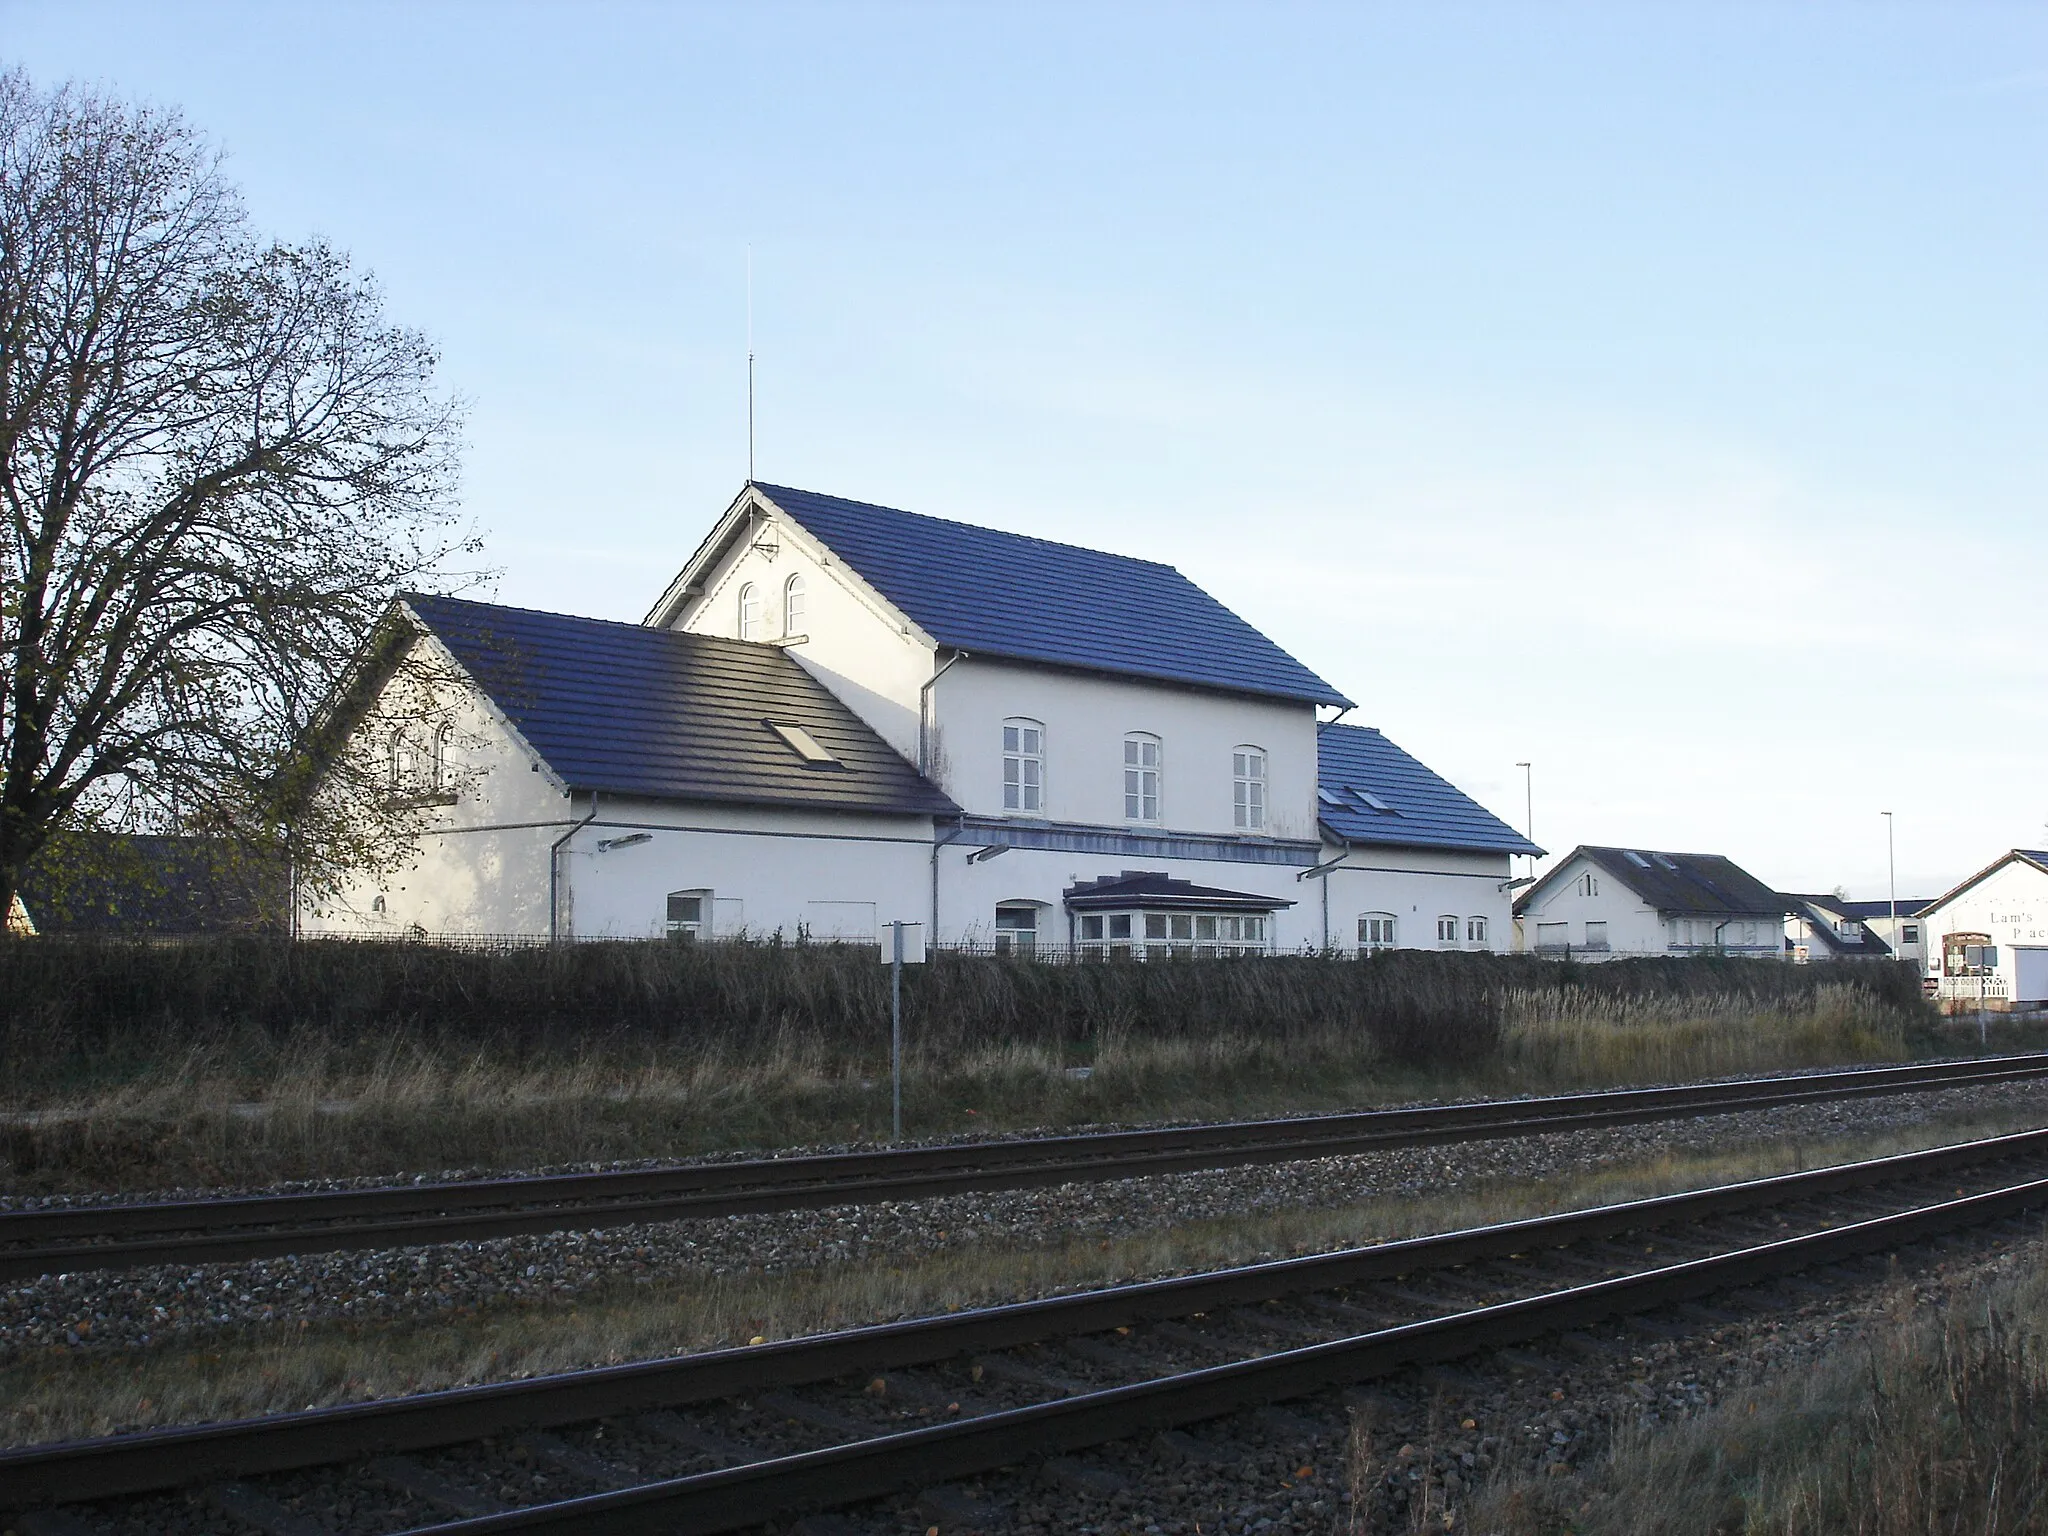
(1003, 594)
(1356, 765)
(630, 710)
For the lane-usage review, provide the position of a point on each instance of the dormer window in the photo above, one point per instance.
(1141, 777)
(1024, 767)
(750, 612)
(1248, 788)
(793, 606)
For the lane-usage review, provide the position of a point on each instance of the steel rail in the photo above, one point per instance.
(745, 1496)
(219, 1230)
(155, 1459)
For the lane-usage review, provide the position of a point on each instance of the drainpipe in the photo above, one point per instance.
(938, 842)
(555, 870)
(925, 724)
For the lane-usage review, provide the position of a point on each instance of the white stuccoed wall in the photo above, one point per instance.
(778, 864)
(1086, 718)
(1632, 928)
(481, 866)
(970, 893)
(855, 646)
(2010, 906)
(1416, 885)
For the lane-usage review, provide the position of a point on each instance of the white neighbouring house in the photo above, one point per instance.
(1987, 940)
(1824, 928)
(1599, 903)
(838, 715)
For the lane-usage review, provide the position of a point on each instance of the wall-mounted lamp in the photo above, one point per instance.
(983, 855)
(607, 844)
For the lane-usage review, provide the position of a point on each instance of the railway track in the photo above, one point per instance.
(733, 1438)
(38, 1242)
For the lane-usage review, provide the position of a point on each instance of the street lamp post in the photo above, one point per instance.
(1892, 868)
(1529, 807)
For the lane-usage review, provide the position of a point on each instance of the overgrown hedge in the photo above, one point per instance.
(73, 995)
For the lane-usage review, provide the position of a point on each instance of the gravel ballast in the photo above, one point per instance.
(159, 1305)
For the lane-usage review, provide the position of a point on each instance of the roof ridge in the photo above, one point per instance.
(583, 618)
(954, 522)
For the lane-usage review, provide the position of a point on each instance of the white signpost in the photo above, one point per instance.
(903, 946)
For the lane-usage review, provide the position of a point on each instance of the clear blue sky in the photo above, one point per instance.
(1654, 391)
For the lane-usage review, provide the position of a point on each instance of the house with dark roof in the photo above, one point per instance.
(585, 777)
(1895, 921)
(135, 884)
(1822, 928)
(1412, 861)
(839, 715)
(1600, 902)
(1987, 939)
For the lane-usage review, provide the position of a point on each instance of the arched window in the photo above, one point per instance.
(1024, 766)
(750, 612)
(405, 761)
(437, 765)
(1475, 930)
(1447, 929)
(1248, 788)
(1375, 932)
(1141, 777)
(793, 606)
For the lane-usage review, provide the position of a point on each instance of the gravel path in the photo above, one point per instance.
(103, 1310)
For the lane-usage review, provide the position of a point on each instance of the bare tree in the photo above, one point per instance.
(217, 462)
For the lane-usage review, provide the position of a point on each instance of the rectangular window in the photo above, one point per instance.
(1023, 767)
(840, 922)
(1165, 935)
(1596, 935)
(1141, 778)
(1553, 938)
(687, 911)
(1248, 788)
(1017, 931)
(1909, 933)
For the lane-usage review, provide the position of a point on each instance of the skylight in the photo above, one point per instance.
(1665, 861)
(803, 744)
(1330, 797)
(1374, 801)
(1636, 858)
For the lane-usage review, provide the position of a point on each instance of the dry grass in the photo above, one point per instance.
(221, 1113)
(1592, 1039)
(128, 1067)
(63, 1393)
(1933, 1425)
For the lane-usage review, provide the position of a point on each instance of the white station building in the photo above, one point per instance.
(840, 715)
